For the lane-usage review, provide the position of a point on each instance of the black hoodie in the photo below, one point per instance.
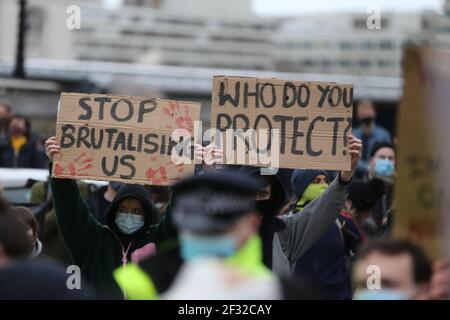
(100, 249)
(137, 192)
(270, 208)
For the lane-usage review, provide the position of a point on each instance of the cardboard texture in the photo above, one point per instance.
(422, 193)
(123, 138)
(312, 119)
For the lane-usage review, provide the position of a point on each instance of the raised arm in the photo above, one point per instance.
(306, 228)
(77, 225)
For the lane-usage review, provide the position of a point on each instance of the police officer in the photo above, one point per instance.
(219, 254)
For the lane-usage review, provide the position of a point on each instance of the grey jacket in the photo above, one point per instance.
(306, 228)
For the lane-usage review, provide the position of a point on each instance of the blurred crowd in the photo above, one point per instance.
(225, 233)
(19, 146)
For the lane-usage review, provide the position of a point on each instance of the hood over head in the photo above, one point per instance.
(302, 178)
(131, 191)
(280, 190)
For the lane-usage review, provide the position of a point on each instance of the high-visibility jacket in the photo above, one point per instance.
(140, 283)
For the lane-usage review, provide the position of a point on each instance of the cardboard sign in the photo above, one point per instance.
(123, 138)
(305, 124)
(422, 193)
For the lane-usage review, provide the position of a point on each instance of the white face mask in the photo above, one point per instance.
(129, 223)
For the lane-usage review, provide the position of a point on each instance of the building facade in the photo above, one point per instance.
(218, 34)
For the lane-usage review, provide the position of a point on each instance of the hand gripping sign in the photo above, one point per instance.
(124, 138)
(284, 124)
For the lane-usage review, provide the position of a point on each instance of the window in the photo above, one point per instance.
(35, 26)
(362, 23)
(364, 63)
(346, 45)
(386, 45)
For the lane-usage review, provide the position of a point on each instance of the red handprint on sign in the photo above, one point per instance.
(76, 168)
(158, 175)
(180, 115)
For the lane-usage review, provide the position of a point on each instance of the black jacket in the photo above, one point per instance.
(40, 279)
(30, 155)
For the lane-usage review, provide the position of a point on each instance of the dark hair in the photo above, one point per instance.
(422, 269)
(27, 217)
(365, 194)
(14, 239)
(377, 146)
(25, 119)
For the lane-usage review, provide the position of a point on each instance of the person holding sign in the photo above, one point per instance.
(99, 249)
(287, 238)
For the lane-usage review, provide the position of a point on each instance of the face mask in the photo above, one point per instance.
(16, 131)
(313, 191)
(381, 294)
(193, 247)
(129, 223)
(367, 121)
(384, 167)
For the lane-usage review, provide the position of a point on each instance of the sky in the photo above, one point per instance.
(299, 7)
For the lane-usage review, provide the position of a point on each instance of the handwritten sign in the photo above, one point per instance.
(311, 121)
(124, 138)
(422, 196)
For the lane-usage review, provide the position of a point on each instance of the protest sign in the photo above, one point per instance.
(303, 124)
(422, 193)
(124, 138)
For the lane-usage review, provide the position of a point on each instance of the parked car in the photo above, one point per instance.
(17, 184)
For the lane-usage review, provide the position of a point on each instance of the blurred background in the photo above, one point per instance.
(171, 48)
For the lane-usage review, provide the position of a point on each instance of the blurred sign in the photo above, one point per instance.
(422, 192)
(123, 138)
(305, 124)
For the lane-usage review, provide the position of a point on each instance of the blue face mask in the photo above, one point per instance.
(129, 223)
(381, 294)
(384, 167)
(193, 247)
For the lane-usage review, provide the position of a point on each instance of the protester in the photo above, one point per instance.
(24, 278)
(369, 133)
(361, 202)
(20, 148)
(27, 217)
(5, 115)
(327, 262)
(404, 271)
(382, 162)
(287, 238)
(382, 166)
(15, 243)
(218, 223)
(99, 249)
